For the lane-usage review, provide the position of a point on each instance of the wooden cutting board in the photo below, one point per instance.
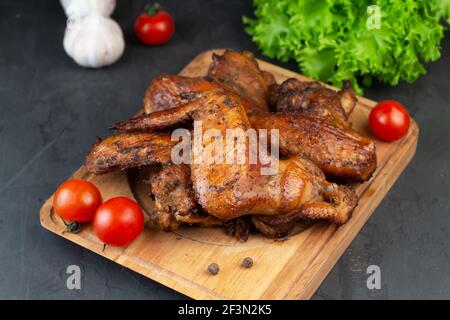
(290, 269)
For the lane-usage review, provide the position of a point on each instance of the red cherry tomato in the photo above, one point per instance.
(154, 26)
(118, 221)
(77, 200)
(389, 120)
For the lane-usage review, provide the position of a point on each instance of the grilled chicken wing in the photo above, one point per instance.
(169, 91)
(282, 225)
(339, 151)
(239, 72)
(175, 200)
(123, 151)
(176, 204)
(228, 191)
(234, 71)
(310, 97)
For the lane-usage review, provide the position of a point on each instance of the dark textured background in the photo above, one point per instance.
(51, 110)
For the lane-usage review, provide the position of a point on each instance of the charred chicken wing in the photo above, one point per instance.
(124, 151)
(335, 148)
(310, 97)
(175, 200)
(239, 72)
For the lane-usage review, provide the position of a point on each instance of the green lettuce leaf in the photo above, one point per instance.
(334, 40)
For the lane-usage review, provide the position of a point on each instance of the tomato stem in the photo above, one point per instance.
(152, 9)
(72, 227)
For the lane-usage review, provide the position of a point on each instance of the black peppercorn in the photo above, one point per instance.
(247, 262)
(213, 268)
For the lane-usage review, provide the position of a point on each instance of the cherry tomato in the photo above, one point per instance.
(154, 26)
(389, 120)
(77, 200)
(118, 221)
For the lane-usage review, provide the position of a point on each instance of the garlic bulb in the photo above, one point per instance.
(65, 3)
(94, 41)
(82, 8)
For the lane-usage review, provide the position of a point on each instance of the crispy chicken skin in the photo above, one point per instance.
(228, 191)
(310, 97)
(175, 201)
(312, 122)
(169, 91)
(282, 225)
(239, 72)
(336, 149)
(123, 151)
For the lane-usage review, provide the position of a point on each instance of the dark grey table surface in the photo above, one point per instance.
(51, 110)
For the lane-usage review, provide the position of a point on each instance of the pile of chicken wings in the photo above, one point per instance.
(318, 150)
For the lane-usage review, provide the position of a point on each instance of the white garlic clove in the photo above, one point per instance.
(94, 41)
(82, 8)
(65, 4)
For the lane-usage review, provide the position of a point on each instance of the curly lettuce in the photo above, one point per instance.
(336, 40)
